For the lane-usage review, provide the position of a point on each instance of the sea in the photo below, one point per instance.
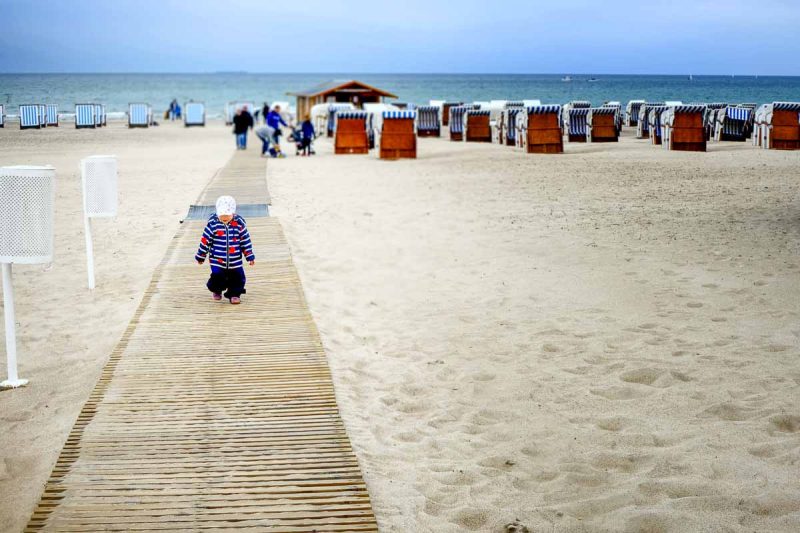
(116, 91)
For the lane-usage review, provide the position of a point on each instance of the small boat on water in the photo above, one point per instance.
(590, 80)
(566, 78)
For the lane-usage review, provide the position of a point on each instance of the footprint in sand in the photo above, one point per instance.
(614, 423)
(646, 376)
(470, 518)
(710, 286)
(619, 393)
(784, 424)
(694, 305)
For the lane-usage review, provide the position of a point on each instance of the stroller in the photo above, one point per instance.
(300, 143)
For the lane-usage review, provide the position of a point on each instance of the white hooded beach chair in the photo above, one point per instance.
(642, 122)
(456, 122)
(84, 116)
(654, 122)
(428, 124)
(98, 115)
(139, 115)
(332, 110)
(575, 123)
(779, 127)
(601, 125)
(734, 123)
(632, 112)
(683, 128)
(540, 129)
(29, 116)
(194, 114)
(51, 114)
(446, 107)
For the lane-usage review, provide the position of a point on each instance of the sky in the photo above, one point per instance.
(410, 36)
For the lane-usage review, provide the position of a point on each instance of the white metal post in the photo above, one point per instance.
(89, 251)
(13, 380)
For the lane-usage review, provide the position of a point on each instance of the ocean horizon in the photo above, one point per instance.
(215, 89)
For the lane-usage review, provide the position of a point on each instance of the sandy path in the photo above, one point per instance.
(65, 332)
(603, 340)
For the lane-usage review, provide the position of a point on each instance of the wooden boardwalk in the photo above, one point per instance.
(209, 416)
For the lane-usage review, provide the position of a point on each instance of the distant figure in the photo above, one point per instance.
(173, 109)
(274, 122)
(241, 123)
(265, 111)
(226, 242)
(263, 133)
(307, 131)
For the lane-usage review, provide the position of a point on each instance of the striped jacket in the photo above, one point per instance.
(225, 244)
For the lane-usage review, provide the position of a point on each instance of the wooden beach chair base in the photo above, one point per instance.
(785, 134)
(687, 139)
(398, 140)
(544, 135)
(456, 136)
(478, 129)
(576, 138)
(428, 133)
(351, 137)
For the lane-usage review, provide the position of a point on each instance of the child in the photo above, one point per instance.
(308, 135)
(226, 241)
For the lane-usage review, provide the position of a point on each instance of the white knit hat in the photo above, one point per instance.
(226, 205)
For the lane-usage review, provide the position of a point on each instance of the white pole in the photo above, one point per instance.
(13, 380)
(89, 251)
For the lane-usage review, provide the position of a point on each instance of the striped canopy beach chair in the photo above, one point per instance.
(618, 118)
(332, 109)
(351, 135)
(84, 116)
(428, 124)
(139, 115)
(642, 123)
(194, 114)
(683, 128)
(398, 138)
(632, 112)
(29, 116)
(734, 123)
(2, 116)
(508, 131)
(601, 125)
(654, 122)
(477, 126)
(98, 115)
(711, 118)
(778, 126)
(456, 122)
(446, 111)
(51, 114)
(541, 130)
(575, 123)
(43, 115)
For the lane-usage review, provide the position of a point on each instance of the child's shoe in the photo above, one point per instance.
(217, 296)
(235, 300)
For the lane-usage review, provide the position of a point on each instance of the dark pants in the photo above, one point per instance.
(232, 279)
(306, 146)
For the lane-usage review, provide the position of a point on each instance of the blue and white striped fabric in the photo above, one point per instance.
(654, 119)
(428, 118)
(580, 104)
(717, 105)
(42, 115)
(350, 114)
(225, 244)
(604, 110)
(98, 115)
(576, 121)
(84, 116)
(632, 110)
(544, 109)
(786, 106)
(514, 103)
(332, 109)
(478, 112)
(457, 119)
(138, 115)
(29, 116)
(738, 113)
(695, 108)
(52, 114)
(511, 122)
(399, 114)
(194, 114)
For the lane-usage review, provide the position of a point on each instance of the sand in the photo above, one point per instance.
(604, 340)
(65, 333)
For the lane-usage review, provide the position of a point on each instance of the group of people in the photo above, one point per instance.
(270, 134)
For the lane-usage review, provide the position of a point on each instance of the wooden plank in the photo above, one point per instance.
(185, 432)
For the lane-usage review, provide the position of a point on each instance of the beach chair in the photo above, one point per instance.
(456, 122)
(332, 109)
(683, 128)
(351, 135)
(540, 130)
(398, 137)
(29, 117)
(575, 123)
(51, 115)
(510, 125)
(428, 124)
(477, 126)
(654, 122)
(42, 115)
(139, 115)
(194, 114)
(601, 125)
(780, 128)
(2, 116)
(98, 115)
(642, 122)
(618, 115)
(734, 123)
(632, 112)
(446, 112)
(84, 116)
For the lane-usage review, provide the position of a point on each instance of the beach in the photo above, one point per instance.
(602, 340)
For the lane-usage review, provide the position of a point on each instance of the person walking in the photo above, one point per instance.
(242, 122)
(274, 122)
